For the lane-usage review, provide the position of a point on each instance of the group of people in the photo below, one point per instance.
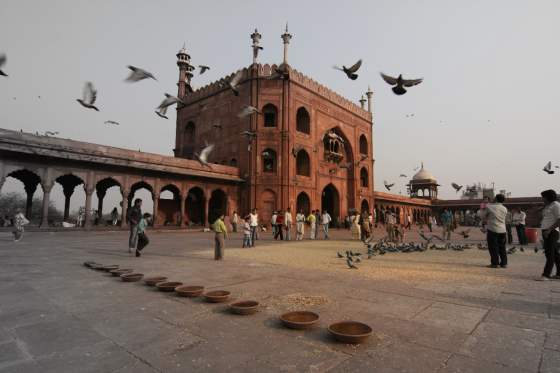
(361, 225)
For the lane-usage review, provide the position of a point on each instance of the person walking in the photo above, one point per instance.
(19, 222)
(114, 216)
(254, 224)
(429, 223)
(246, 232)
(409, 222)
(549, 228)
(220, 234)
(365, 226)
(234, 222)
(279, 226)
(355, 226)
(494, 223)
(143, 239)
(300, 225)
(273, 226)
(519, 223)
(134, 216)
(509, 221)
(325, 221)
(288, 224)
(312, 220)
(447, 224)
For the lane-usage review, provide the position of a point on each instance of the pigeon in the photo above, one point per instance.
(402, 175)
(358, 260)
(556, 166)
(387, 185)
(51, 133)
(137, 74)
(350, 71)
(3, 59)
(202, 69)
(548, 168)
(345, 165)
(169, 100)
(112, 122)
(234, 82)
(161, 112)
(89, 96)
(409, 115)
(339, 255)
(248, 110)
(350, 263)
(256, 49)
(457, 187)
(400, 83)
(438, 237)
(203, 156)
(464, 233)
(249, 134)
(512, 250)
(278, 74)
(416, 169)
(522, 249)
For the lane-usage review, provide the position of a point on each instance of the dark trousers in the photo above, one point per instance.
(497, 248)
(253, 235)
(219, 246)
(509, 235)
(552, 255)
(279, 232)
(520, 228)
(143, 241)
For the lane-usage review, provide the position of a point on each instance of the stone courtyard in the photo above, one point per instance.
(436, 311)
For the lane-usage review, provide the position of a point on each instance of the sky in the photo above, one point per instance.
(486, 112)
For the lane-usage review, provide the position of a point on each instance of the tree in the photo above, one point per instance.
(10, 203)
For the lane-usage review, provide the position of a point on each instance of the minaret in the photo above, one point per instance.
(363, 102)
(286, 37)
(256, 37)
(185, 72)
(369, 94)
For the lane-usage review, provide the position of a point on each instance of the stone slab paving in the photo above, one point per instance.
(431, 312)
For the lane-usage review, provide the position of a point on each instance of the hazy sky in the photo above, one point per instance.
(490, 70)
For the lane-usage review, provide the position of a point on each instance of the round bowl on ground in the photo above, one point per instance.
(109, 267)
(96, 266)
(168, 285)
(132, 277)
(121, 271)
(189, 291)
(247, 307)
(152, 281)
(299, 319)
(89, 264)
(350, 331)
(217, 296)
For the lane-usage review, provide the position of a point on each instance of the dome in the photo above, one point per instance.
(423, 175)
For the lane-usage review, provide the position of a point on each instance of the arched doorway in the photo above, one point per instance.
(169, 205)
(330, 202)
(364, 206)
(217, 205)
(195, 206)
(303, 203)
(22, 190)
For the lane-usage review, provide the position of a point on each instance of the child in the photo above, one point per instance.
(19, 222)
(143, 240)
(246, 232)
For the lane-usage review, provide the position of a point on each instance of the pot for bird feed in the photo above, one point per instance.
(217, 296)
(247, 307)
(168, 286)
(120, 271)
(109, 268)
(350, 331)
(132, 277)
(152, 281)
(189, 291)
(299, 319)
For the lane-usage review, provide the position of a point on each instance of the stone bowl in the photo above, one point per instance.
(96, 266)
(121, 271)
(350, 331)
(189, 291)
(152, 281)
(132, 277)
(109, 268)
(168, 286)
(247, 307)
(299, 319)
(89, 264)
(217, 296)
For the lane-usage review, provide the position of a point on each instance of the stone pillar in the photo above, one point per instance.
(369, 95)
(363, 102)
(46, 202)
(286, 37)
(68, 191)
(182, 216)
(100, 198)
(30, 191)
(206, 208)
(155, 198)
(89, 193)
(124, 208)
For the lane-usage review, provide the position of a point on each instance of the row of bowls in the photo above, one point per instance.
(344, 331)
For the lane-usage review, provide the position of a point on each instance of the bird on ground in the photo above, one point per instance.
(457, 187)
(162, 112)
(423, 236)
(203, 156)
(248, 110)
(402, 175)
(522, 249)
(138, 74)
(387, 185)
(548, 168)
(464, 233)
(202, 69)
(438, 237)
(350, 71)
(350, 263)
(169, 100)
(358, 260)
(89, 97)
(3, 60)
(51, 133)
(512, 250)
(234, 82)
(339, 255)
(112, 122)
(399, 83)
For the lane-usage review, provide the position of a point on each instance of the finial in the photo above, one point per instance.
(286, 27)
(286, 39)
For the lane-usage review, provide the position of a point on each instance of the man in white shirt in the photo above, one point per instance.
(325, 221)
(518, 219)
(494, 222)
(288, 224)
(273, 222)
(234, 221)
(549, 225)
(253, 223)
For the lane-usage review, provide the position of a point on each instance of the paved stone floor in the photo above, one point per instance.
(431, 312)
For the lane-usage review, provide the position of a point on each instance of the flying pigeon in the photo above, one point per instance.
(409, 115)
(161, 112)
(89, 96)
(402, 175)
(202, 69)
(256, 49)
(234, 82)
(248, 110)
(387, 185)
(350, 71)
(112, 122)
(548, 168)
(400, 83)
(456, 186)
(137, 74)
(3, 59)
(169, 100)
(203, 156)
(350, 264)
(248, 134)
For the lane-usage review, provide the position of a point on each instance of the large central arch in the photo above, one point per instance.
(348, 158)
(330, 201)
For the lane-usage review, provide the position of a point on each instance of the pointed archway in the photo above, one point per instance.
(330, 202)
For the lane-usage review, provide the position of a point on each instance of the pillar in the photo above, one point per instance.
(155, 198)
(100, 198)
(46, 203)
(207, 207)
(369, 95)
(182, 216)
(89, 193)
(68, 191)
(124, 208)
(286, 37)
(30, 191)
